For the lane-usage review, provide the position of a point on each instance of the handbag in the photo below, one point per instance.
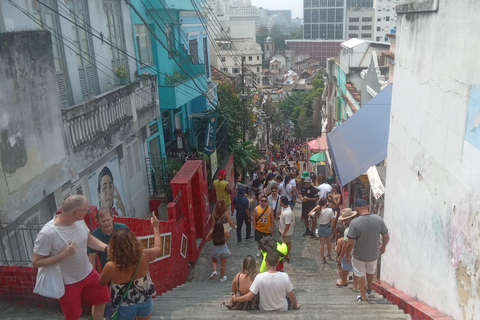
(253, 304)
(49, 281)
(115, 313)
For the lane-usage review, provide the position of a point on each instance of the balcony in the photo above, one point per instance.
(179, 88)
(111, 113)
(180, 5)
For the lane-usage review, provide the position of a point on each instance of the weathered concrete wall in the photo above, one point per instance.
(432, 204)
(32, 150)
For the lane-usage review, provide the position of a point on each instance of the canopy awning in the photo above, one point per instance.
(362, 140)
(318, 144)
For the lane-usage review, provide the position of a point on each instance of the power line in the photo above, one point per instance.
(110, 43)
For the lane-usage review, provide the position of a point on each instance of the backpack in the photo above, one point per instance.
(268, 244)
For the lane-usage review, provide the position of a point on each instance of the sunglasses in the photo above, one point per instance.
(263, 200)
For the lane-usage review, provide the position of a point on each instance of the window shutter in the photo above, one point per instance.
(91, 80)
(83, 81)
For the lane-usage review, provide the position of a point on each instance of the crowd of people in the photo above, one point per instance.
(268, 202)
(124, 287)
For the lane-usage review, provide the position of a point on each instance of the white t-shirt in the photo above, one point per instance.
(273, 288)
(286, 218)
(48, 243)
(324, 189)
(284, 192)
(325, 216)
(274, 204)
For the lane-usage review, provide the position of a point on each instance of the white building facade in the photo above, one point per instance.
(433, 187)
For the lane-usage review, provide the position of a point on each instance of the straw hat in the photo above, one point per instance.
(347, 213)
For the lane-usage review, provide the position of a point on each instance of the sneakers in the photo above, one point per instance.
(324, 261)
(359, 298)
(213, 275)
(306, 233)
(313, 236)
(369, 292)
(329, 257)
(259, 254)
(223, 279)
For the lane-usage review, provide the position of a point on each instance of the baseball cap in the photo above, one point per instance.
(361, 202)
(308, 179)
(221, 174)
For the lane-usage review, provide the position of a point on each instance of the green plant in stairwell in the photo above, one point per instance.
(176, 77)
(165, 170)
(121, 72)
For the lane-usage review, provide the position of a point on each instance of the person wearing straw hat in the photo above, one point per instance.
(364, 238)
(346, 216)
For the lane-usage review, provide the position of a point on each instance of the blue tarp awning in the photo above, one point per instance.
(362, 140)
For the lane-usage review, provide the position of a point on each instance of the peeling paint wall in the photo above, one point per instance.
(32, 151)
(432, 205)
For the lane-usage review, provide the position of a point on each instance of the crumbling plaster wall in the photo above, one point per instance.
(32, 151)
(432, 205)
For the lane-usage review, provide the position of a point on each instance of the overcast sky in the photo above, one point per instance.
(295, 5)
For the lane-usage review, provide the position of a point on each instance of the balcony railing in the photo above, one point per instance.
(92, 119)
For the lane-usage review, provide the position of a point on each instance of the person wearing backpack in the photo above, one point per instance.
(262, 221)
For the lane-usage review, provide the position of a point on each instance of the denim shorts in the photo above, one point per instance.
(325, 230)
(220, 251)
(136, 310)
(347, 266)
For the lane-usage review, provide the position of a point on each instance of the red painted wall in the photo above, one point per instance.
(188, 216)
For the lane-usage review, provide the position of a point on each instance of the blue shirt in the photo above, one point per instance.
(105, 238)
(241, 204)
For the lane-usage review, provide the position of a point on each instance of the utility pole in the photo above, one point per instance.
(244, 97)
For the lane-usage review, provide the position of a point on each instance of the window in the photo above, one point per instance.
(366, 27)
(258, 58)
(366, 35)
(258, 69)
(379, 19)
(353, 19)
(378, 29)
(353, 35)
(170, 40)
(50, 22)
(143, 44)
(386, 38)
(366, 19)
(250, 58)
(82, 41)
(387, 18)
(205, 56)
(378, 38)
(224, 69)
(352, 27)
(222, 59)
(193, 47)
(115, 34)
(243, 58)
(235, 70)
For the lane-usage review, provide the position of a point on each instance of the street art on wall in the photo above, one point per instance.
(105, 185)
(472, 130)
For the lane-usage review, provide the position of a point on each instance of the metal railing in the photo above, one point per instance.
(17, 242)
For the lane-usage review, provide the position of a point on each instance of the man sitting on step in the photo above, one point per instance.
(275, 288)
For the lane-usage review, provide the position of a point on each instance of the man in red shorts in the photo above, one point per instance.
(63, 241)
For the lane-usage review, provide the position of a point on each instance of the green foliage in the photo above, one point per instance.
(175, 78)
(121, 72)
(165, 171)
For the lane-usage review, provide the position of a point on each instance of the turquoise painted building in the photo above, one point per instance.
(171, 41)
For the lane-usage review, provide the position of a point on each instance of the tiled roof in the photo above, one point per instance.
(389, 54)
(219, 76)
(352, 106)
(353, 92)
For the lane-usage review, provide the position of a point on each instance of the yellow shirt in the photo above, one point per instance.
(222, 194)
(264, 223)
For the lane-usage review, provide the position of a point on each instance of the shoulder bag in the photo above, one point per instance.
(115, 313)
(262, 214)
(49, 281)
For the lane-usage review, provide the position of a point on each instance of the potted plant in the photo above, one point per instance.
(122, 74)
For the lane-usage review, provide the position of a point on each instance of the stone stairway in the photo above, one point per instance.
(313, 282)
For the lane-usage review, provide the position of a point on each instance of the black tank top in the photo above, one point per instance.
(218, 235)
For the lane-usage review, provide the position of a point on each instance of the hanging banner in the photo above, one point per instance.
(211, 135)
(375, 182)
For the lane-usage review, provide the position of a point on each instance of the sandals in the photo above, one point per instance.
(339, 283)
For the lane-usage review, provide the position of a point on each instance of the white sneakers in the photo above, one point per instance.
(213, 275)
(259, 254)
(223, 279)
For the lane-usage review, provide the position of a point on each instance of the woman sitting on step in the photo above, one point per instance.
(241, 285)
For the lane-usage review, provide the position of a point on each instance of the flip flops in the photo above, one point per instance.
(339, 283)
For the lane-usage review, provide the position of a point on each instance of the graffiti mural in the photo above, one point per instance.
(105, 185)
